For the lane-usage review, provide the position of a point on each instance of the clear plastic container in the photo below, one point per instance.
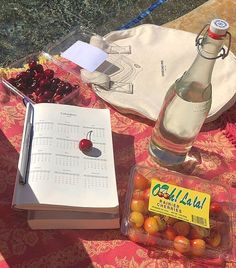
(68, 72)
(23, 85)
(160, 231)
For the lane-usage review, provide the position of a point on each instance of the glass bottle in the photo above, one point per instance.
(188, 101)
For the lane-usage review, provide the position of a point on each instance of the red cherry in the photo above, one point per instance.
(33, 96)
(30, 72)
(18, 77)
(20, 86)
(32, 64)
(34, 85)
(40, 99)
(12, 81)
(49, 73)
(48, 94)
(60, 90)
(24, 76)
(44, 83)
(39, 91)
(55, 81)
(39, 76)
(85, 145)
(39, 68)
(215, 208)
(68, 88)
(62, 84)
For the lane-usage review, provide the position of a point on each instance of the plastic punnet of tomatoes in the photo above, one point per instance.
(168, 210)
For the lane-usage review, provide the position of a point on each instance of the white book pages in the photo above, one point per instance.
(60, 174)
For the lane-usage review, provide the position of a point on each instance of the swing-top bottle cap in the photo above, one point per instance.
(218, 28)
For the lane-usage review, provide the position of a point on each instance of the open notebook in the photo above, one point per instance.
(54, 174)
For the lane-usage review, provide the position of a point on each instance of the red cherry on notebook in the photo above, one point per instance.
(85, 145)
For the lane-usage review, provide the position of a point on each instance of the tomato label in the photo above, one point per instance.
(180, 203)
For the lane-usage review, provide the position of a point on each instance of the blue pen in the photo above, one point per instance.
(26, 149)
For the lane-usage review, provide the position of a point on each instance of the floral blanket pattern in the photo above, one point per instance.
(214, 158)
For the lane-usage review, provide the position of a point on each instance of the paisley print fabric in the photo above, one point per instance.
(213, 158)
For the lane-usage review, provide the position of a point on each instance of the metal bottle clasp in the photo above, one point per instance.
(198, 42)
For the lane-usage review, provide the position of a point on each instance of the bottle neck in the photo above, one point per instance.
(202, 67)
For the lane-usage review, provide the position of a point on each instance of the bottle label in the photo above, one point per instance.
(180, 203)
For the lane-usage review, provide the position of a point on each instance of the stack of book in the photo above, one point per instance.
(61, 185)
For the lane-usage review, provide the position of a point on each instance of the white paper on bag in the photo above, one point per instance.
(85, 55)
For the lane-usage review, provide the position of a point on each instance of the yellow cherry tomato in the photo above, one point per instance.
(182, 244)
(141, 182)
(136, 218)
(139, 205)
(182, 228)
(198, 247)
(151, 225)
(170, 233)
(161, 223)
(214, 239)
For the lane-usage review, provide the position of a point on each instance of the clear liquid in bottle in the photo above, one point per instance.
(182, 115)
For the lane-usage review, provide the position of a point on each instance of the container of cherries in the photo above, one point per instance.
(42, 79)
(168, 210)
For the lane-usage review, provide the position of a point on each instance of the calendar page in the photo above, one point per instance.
(59, 172)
